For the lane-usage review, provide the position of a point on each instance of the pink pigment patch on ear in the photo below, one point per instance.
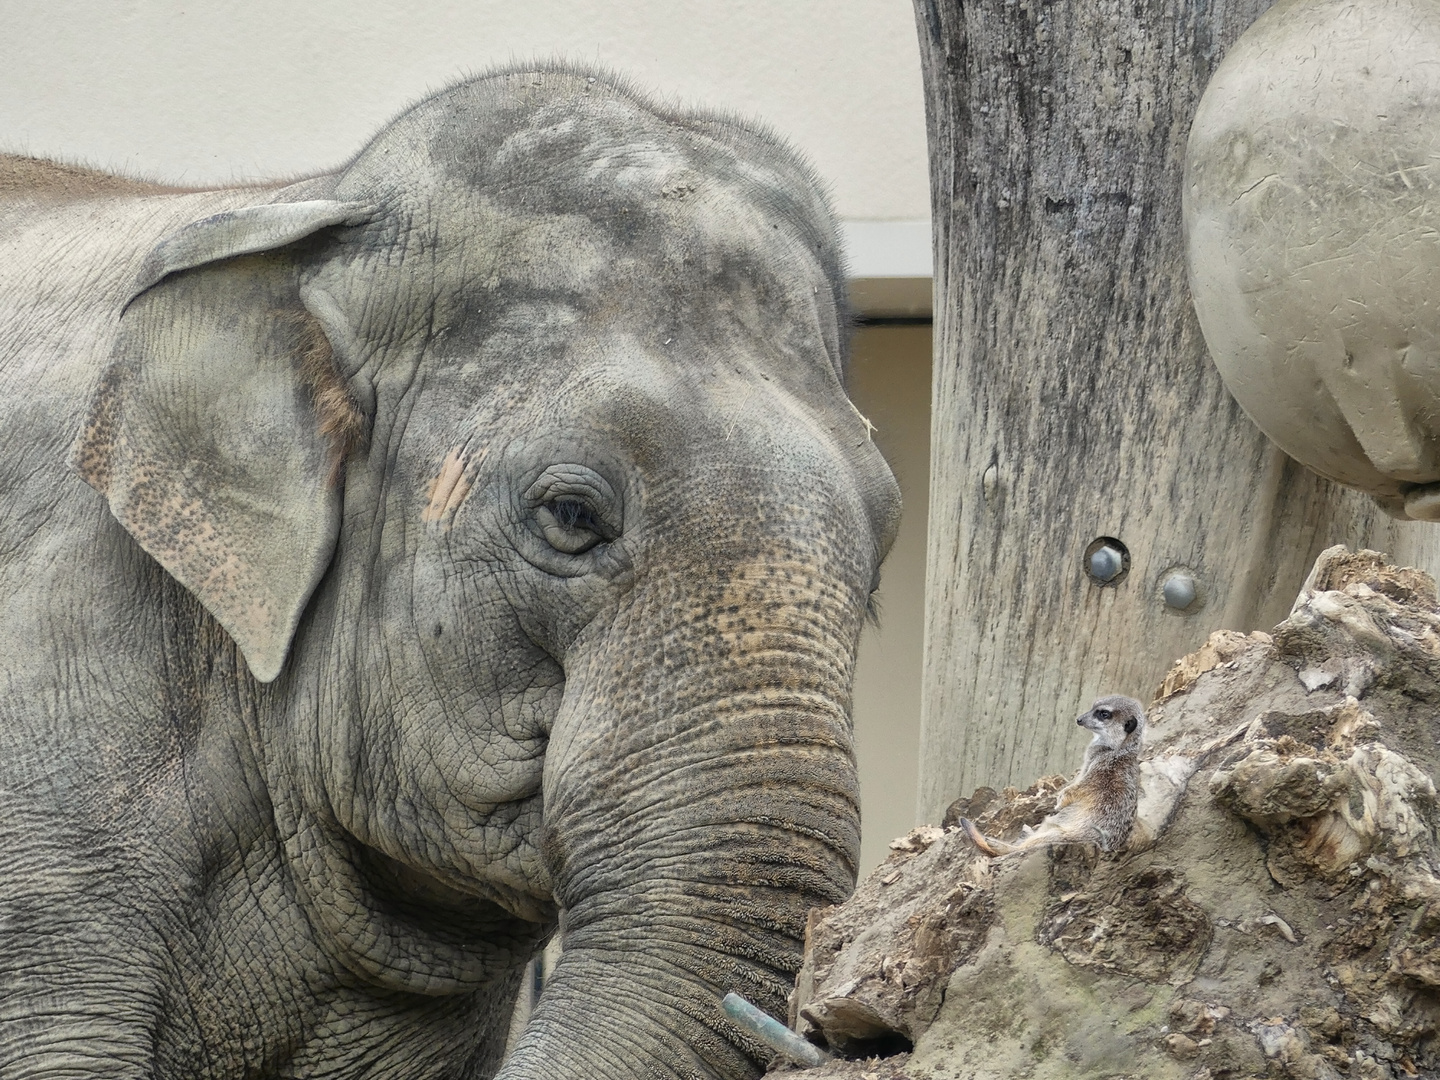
(450, 488)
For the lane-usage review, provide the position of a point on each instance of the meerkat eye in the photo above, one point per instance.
(1103, 714)
(1130, 725)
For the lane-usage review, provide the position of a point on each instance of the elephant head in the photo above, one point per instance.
(515, 459)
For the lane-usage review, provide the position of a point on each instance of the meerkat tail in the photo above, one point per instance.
(993, 848)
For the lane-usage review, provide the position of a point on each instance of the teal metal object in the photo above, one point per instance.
(772, 1033)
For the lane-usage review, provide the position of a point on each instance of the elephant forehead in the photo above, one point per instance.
(637, 269)
(634, 262)
(683, 431)
(516, 358)
(624, 399)
(610, 142)
(577, 136)
(555, 179)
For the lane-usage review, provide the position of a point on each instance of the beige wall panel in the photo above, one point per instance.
(890, 383)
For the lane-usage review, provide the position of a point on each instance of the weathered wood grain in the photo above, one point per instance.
(1073, 397)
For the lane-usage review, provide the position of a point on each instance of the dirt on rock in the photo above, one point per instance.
(1275, 914)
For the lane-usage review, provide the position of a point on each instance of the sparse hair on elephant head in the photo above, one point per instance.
(338, 414)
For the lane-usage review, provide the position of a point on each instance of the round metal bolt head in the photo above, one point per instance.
(1106, 563)
(1179, 591)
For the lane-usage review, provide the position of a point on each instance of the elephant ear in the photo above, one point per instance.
(215, 430)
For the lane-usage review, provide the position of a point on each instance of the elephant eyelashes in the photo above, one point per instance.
(574, 515)
(569, 525)
(574, 507)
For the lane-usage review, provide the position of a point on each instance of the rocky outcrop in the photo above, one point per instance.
(1276, 913)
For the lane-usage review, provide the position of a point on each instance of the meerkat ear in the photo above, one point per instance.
(1130, 725)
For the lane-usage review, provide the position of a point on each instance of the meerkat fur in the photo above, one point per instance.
(1098, 805)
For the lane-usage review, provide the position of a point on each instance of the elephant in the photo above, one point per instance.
(404, 562)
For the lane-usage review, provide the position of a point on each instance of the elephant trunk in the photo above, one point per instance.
(690, 829)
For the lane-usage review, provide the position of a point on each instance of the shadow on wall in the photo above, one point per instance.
(890, 384)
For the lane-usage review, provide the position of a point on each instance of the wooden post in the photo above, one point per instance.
(1073, 397)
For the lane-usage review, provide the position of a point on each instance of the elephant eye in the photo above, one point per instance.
(574, 509)
(569, 525)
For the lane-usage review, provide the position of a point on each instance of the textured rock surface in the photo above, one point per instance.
(1277, 912)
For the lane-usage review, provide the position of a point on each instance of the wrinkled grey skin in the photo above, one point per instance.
(298, 763)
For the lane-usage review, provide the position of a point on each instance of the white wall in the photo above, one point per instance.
(207, 92)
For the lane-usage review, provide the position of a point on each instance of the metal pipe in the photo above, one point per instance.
(772, 1033)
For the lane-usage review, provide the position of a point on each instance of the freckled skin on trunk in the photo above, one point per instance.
(691, 842)
(331, 691)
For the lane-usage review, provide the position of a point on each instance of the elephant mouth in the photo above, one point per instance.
(466, 906)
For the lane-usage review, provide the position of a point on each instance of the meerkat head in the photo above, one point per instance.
(1116, 721)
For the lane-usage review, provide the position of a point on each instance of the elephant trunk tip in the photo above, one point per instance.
(772, 1033)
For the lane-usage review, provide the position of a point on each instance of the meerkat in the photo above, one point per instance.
(1098, 806)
